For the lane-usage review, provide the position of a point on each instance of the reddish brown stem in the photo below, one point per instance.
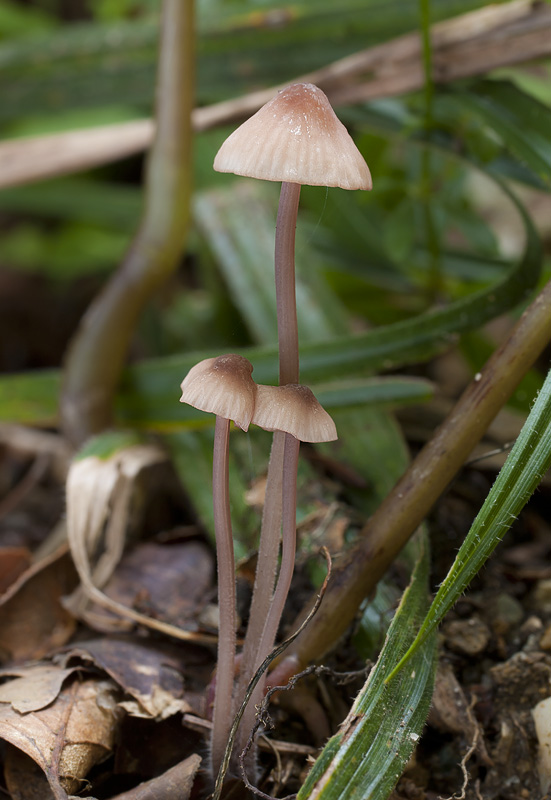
(222, 712)
(285, 283)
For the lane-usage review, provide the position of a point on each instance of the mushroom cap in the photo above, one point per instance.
(222, 386)
(296, 137)
(293, 409)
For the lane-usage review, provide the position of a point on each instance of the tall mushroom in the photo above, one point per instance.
(223, 386)
(296, 138)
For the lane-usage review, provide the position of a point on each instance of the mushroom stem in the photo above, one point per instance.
(285, 282)
(222, 711)
(266, 568)
(271, 622)
(289, 541)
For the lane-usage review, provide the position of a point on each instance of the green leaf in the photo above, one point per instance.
(522, 122)
(150, 388)
(518, 479)
(366, 758)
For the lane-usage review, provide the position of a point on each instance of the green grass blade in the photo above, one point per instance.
(366, 758)
(522, 122)
(516, 482)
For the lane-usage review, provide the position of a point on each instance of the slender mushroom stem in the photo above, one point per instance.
(222, 712)
(289, 541)
(288, 373)
(258, 641)
(266, 569)
(270, 622)
(285, 283)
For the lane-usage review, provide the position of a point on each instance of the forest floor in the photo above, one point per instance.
(99, 698)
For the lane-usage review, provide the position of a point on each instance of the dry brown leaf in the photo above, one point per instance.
(33, 687)
(169, 581)
(174, 784)
(13, 563)
(24, 778)
(68, 737)
(32, 618)
(150, 672)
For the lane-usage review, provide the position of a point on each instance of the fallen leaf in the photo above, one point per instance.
(13, 563)
(150, 672)
(165, 581)
(174, 784)
(24, 778)
(33, 620)
(33, 687)
(69, 736)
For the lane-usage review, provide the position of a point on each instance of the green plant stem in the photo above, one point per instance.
(96, 355)
(431, 233)
(422, 484)
(222, 712)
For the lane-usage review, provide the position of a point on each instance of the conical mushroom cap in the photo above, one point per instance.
(222, 386)
(293, 409)
(298, 138)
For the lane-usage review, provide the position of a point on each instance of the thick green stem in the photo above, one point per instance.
(222, 712)
(96, 355)
(422, 484)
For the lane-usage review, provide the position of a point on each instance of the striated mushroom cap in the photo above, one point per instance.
(293, 409)
(296, 137)
(222, 386)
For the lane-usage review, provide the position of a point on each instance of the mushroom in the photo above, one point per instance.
(293, 411)
(223, 386)
(296, 138)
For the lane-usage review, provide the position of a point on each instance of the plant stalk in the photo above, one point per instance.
(222, 711)
(287, 327)
(96, 354)
(257, 644)
(271, 620)
(424, 481)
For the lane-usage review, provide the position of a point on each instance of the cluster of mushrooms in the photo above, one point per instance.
(296, 138)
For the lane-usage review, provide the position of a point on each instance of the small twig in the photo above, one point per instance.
(32, 477)
(468, 754)
(260, 672)
(497, 452)
(263, 718)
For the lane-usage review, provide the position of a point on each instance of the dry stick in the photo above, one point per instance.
(427, 477)
(222, 712)
(96, 355)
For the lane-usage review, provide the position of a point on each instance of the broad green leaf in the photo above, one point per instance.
(518, 479)
(365, 759)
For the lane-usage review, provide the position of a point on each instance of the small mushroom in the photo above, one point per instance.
(294, 409)
(223, 386)
(296, 138)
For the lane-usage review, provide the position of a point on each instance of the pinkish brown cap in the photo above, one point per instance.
(293, 409)
(296, 137)
(222, 386)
